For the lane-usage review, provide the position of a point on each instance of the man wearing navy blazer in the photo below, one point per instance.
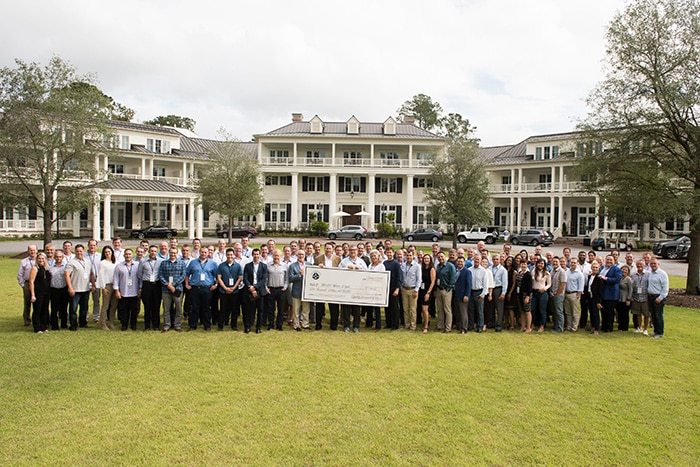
(460, 298)
(255, 282)
(611, 275)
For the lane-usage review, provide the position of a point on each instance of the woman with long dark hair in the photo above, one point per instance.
(523, 293)
(512, 264)
(541, 282)
(104, 282)
(426, 289)
(40, 287)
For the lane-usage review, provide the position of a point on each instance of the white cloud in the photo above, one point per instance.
(513, 68)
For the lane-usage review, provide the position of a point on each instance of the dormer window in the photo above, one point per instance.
(389, 126)
(316, 125)
(353, 126)
(158, 146)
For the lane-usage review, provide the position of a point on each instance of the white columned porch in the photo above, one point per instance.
(551, 214)
(408, 218)
(107, 235)
(332, 191)
(552, 186)
(294, 216)
(511, 223)
(200, 221)
(96, 219)
(370, 202)
(191, 221)
(519, 217)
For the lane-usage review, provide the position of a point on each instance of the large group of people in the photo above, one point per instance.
(462, 290)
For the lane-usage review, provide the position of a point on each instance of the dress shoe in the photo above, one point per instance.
(279, 327)
(318, 327)
(178, 330)
(297, 329)
(270, 327)
(258, 331)
(355, 329)
(247, 330)
(164, 331)
(346, 329)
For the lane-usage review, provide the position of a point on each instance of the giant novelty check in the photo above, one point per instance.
(346, 286)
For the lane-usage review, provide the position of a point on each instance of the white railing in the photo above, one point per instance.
(277, 161)
(21, 224)
(501, 188)
(278, 225)
(340, 162)
(536, 187)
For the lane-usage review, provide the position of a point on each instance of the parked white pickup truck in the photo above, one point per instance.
(479, 233)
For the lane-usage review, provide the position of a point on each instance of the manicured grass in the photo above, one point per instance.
(677, 282)
(321, 397)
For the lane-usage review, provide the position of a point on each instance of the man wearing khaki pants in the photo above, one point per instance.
(409, 291)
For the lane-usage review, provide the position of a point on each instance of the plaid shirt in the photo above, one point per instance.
(176, 270)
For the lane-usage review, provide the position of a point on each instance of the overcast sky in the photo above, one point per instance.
(514, 68)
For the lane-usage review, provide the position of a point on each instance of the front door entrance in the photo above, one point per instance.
(353, 218)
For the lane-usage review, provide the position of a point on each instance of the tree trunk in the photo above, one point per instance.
(693, 281)
(454, 236)
(47, 222)
(230, 229)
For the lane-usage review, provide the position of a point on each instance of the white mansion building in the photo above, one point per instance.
(367, 170)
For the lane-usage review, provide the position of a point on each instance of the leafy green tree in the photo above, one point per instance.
(641, 153)
(454, 126)
(230, 182)
(52, 126)
(459, 195)
(173, 120)
(426, 112)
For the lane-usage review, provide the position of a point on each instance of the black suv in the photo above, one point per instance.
(669, 249)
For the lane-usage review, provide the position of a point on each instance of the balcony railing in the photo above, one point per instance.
(340, 162)
(536, 188)
(21, 224)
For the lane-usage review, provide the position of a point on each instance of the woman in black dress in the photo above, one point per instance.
(39, 287)
(523, 294)
(512, 265)
(426, 288)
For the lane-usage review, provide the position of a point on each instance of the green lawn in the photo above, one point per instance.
(317, 398)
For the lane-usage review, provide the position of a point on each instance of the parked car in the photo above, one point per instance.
(154, 231)
(682, 251)
(532, 237)
(428, 235)
(479, 233)
(237, 231)
(668, 249)
(349, 231)
(616, 240)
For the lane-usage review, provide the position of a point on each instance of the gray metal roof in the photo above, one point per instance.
(143, 127)
(339, 130)
(133, 184)
(199, 148)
